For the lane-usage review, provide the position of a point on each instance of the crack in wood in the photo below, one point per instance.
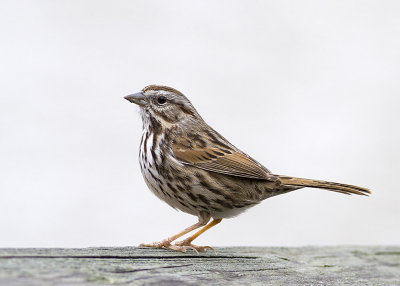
(147, 269)
(122, 257)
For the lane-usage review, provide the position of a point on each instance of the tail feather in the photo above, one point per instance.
(330, 186)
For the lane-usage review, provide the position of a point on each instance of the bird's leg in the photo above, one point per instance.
(187, 243)
(166, 243)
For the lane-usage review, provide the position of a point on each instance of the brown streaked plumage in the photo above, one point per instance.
(218, 160)
(191, 167)
(162, 87)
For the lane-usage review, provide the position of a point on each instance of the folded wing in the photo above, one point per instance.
(223, 160)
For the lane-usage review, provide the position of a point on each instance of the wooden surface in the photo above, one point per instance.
(234, 266)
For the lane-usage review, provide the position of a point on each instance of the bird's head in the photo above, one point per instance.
(165, 104)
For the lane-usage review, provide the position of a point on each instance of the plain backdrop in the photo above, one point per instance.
(308, 88)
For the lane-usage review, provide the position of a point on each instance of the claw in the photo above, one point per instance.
(165, 243)
(188, 245)
(178, 248)
(181, 246)
(168, 245)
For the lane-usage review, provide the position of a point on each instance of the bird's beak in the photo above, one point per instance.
(137, 98)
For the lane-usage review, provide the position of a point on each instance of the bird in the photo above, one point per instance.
(194, 169)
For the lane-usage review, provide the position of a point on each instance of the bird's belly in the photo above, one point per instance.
(156, 185)
(166, 191)
(197, 194)
(230, 212)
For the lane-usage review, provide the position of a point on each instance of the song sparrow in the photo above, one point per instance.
(191, 167)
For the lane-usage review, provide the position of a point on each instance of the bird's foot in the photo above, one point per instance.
(167, 244)
(160, 244)
(181, 246)
(184, 245)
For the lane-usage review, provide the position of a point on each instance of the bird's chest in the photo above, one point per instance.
(150, 159)
(153, 165)
(157, 168)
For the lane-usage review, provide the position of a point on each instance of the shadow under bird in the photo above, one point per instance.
(191, 167)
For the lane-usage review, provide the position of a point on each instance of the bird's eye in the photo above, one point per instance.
(161, 99)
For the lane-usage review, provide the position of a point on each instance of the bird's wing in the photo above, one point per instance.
(224, 159)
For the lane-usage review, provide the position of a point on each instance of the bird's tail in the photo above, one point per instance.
(330, 186)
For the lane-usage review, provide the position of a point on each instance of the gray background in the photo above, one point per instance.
(308, 88)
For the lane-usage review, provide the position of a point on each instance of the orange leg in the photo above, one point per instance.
(187, 243)
(166, 243)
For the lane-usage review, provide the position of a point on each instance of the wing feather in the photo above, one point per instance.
(221, 160)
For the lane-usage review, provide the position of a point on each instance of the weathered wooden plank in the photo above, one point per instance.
(358, 265)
